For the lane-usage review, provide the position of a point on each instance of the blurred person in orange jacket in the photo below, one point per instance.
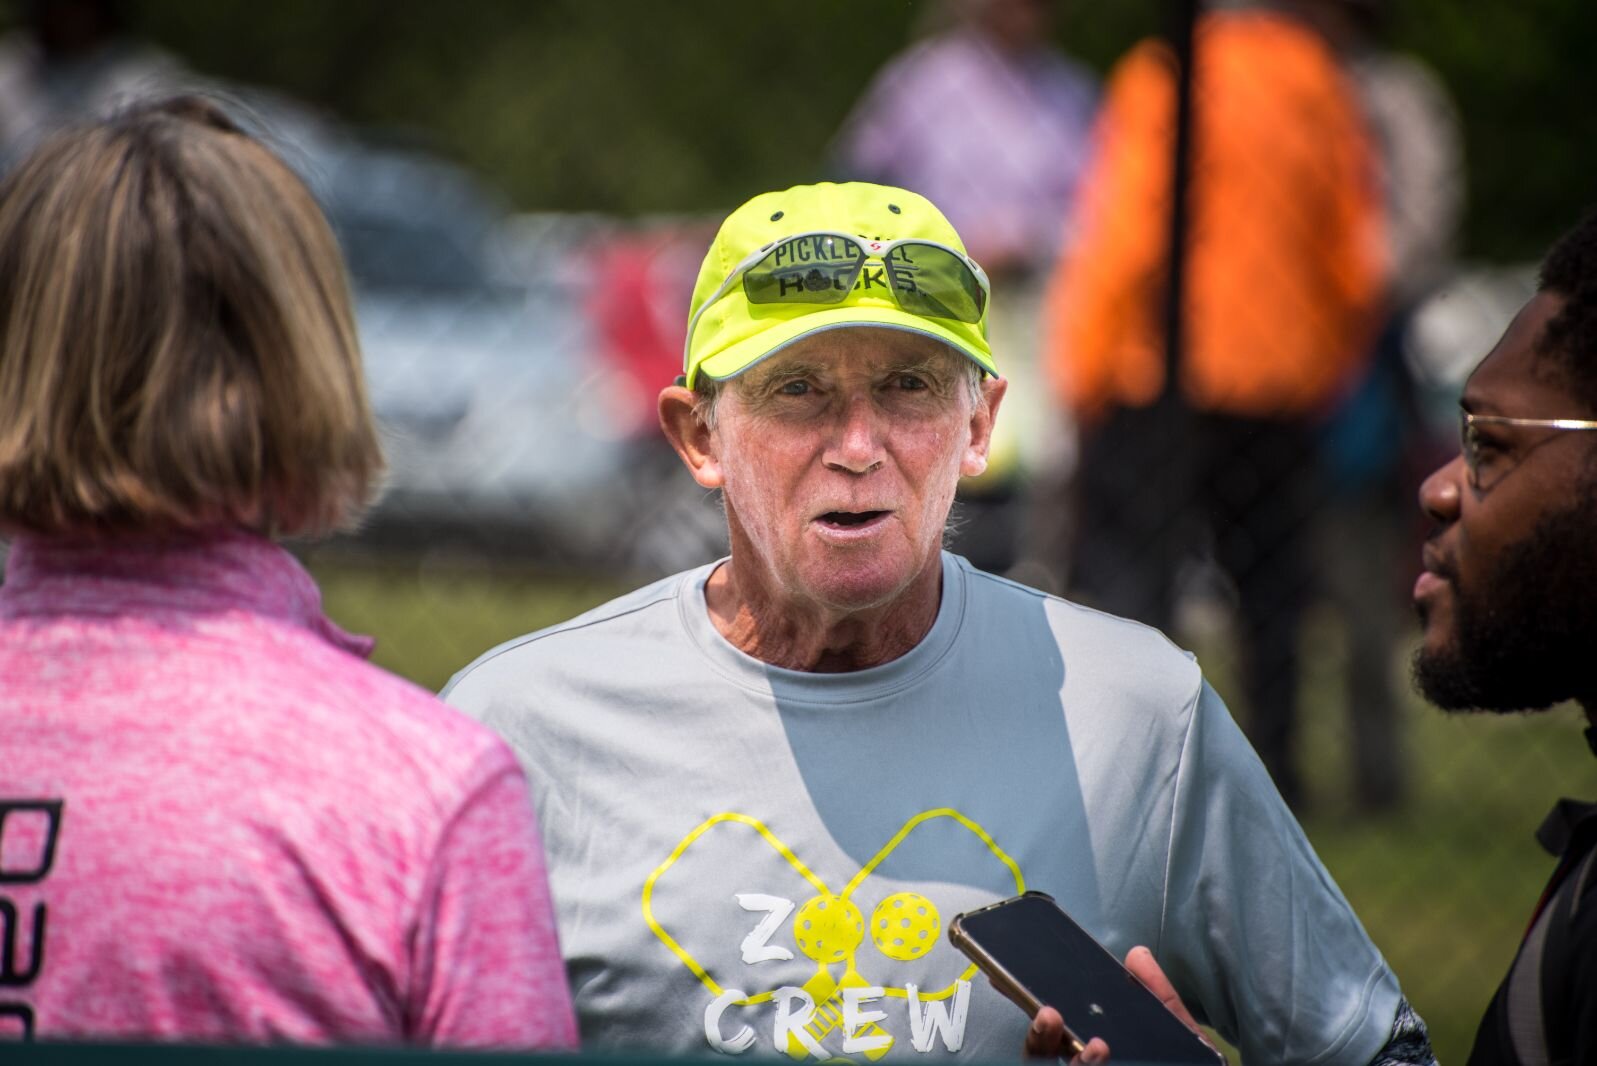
(1284, 271)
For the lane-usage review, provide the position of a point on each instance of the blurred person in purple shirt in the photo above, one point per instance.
(986, 119)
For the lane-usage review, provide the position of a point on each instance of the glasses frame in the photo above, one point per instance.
(1468, 420)
(872, 249)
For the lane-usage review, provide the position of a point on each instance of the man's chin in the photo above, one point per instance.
(1457, 683)
(852, 585)
(1440, 678)
(839, 593)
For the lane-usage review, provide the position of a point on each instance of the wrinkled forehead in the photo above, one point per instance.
(860, 348)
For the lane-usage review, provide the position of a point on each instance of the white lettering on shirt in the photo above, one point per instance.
(755, 946)
(791, 1023)
(933, 1019)
(855, 1019)
(712, 1025)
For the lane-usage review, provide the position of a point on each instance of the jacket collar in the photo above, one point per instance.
(176, 574)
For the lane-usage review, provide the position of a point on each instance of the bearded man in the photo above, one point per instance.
(1508, 602)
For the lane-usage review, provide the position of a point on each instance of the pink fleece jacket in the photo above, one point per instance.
(218, 823)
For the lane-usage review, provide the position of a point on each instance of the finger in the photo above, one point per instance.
(1093, 1054)
(1046, 1037)
(1140, 961)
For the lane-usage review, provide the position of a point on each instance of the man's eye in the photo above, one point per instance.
(794, 388)
(911, 382)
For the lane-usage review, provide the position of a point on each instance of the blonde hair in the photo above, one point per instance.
(177, 347)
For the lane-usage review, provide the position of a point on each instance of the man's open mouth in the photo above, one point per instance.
(849, 519)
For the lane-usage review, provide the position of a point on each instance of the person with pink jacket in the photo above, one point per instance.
(217, 822)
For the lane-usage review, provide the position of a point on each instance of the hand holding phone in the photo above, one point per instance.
(1049, 1041)
(1037, 956)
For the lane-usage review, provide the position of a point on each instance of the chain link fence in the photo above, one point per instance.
(1249, 487)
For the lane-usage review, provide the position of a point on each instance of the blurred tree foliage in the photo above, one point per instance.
(610, 105)
(1522, 75)
(635, 106)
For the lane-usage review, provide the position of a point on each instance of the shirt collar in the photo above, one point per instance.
(189, 573)
(1568, 820)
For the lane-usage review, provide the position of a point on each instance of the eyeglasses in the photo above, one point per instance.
(1470, 438)
(823, 267)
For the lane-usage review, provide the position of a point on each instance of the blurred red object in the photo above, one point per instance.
(642, 282)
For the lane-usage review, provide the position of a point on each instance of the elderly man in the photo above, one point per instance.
(768, 783)
(1508, 600)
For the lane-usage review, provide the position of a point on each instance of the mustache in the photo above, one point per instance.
(1434, 560)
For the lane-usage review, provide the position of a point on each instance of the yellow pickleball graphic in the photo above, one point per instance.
(836, 927)
(828, 928)
(905, 925)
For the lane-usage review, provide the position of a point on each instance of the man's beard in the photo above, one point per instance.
(1524, 634)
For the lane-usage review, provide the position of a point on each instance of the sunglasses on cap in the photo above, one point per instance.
(924, 277)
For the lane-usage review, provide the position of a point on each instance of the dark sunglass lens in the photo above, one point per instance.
(815, 269)
(935, 282)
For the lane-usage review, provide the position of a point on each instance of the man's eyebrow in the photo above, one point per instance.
(1472, 403)
(766, 372)
(929, 365)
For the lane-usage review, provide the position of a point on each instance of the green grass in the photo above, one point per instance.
(431, 620)
(1444, 886)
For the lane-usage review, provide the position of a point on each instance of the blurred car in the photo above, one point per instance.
(511, 420)
(1454, 328)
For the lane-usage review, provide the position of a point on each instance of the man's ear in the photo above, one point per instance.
(693, 440)
(974, 461)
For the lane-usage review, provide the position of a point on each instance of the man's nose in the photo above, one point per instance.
(856, 441)
(1440, 492)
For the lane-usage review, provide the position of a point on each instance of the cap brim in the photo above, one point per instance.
(732, 361)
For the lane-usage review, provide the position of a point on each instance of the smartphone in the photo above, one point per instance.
(1037, 956)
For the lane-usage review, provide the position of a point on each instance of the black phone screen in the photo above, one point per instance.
(1065, 968)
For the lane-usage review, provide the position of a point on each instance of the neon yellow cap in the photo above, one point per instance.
(734, 334)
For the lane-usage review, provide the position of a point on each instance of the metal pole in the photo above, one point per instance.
(1184, 17)
(1173, 420)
